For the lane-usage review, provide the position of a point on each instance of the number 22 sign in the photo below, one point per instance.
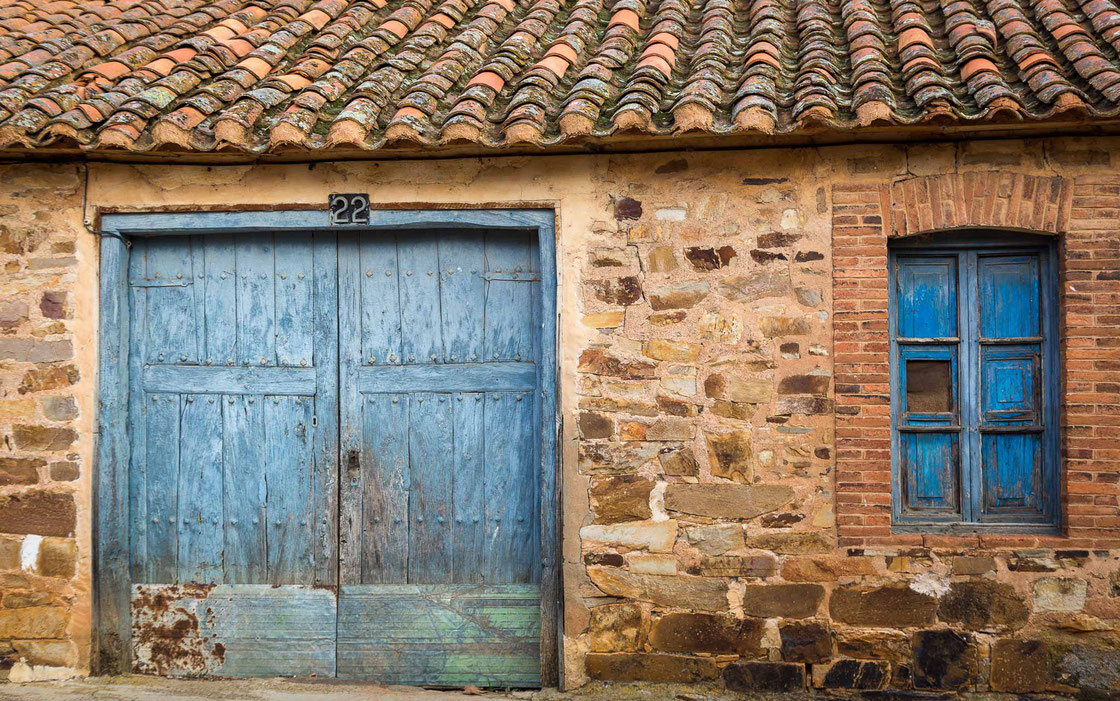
(349, 209)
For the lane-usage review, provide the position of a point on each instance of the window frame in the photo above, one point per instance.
(967, 383)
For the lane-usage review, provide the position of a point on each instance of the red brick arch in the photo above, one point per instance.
(1086, 211)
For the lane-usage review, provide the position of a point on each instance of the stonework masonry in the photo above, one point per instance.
(725, 461)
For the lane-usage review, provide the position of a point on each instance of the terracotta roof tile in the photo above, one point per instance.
(255, 75)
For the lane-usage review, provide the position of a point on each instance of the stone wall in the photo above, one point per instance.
(722, 340)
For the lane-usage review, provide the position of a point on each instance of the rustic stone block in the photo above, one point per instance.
(43, 437)
(614, 404)
(707, 633)
(614, 457)
(604, 320)
(650, 667)
(782, 600)
(679, 462)
(678, 295)
(973, 564)
(1023, 666)
(716, 540)
(982, 603)
(627, 208)
(592, 425)
(655, 536)
(730, 455)
(890, 645)
(778, 239)
(48, 378)
(726, 501)
(852, 674)
(808, 296)
(780, 326)
(888, 606)
(9, 553)
(37, 512)
(805, 641)
(648, 563)
(12, 313)
(662, 260)
(792, 543)
(753, 677)
(804, 384)
(705, 259)
(53, 304)
(731, 410)
(20, 470)
(1094, 670)
(670, 430)
(598, 362)
(51, 653)
(1057, 594)
(33, 622)
(801, 404)
(755, 566)
(943, 659)
(28, 351)
(622, 291)
(720, 327)
(58, 557)
(622, 498)
(615, 627)
(700, 594)
(751, 288)
(60, 408)
(64, 471)
(676, 351)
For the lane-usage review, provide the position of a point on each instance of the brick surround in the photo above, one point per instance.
(1083, 212)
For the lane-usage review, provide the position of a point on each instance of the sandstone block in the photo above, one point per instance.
(826, 569)
(60, 408)
(780, 326)
(592, 425)
(53, 304)
(707, 633)
(982, 603)
(887, 606)
(670, 430)
(622, 498)
(804, 384)
(12, 313)
(37, 512)
(757, 566)
(726, 501)
(805, 641)
(662, 260)
(58, 557)
(753, 677)
(598, 362)
(649, 563)
(48, 378)
(614, 457)
(695, 592)
(679, 462)
(1023, 666)
(51, 653)
(33, 622)
(604, 320)
(716, 540)
(615, 627)
(20, 470)
(705, 259)
(730, 455)
(943, 659)
(1057, 594)
(676, 351)
(30, 437)
(655, 536)
(972, 564)
(28, 351)
(64, 471)
(852, 674)
(9, 553)
(803, 404)
(650, 667)
(622, 291)
(678, 295)
(750, 288)
(793, 543)
(890, 645)
(782, 600)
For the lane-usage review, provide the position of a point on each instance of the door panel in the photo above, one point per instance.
(445, 484)
(234, 435)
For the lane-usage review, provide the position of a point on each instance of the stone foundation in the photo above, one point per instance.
(725, 471)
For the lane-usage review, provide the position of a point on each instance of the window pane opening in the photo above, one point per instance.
(929, 388)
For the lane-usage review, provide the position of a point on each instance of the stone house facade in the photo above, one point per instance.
(730, 496)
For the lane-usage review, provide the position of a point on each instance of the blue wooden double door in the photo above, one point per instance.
(975, 360)
(335, 455)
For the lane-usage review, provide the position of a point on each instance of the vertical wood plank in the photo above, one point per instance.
(173, 330)
(379, 282)
(510, 490)
(468, 477)
(163, 443)
(288, 469)
(294, 281)
(386, 480)
(350, 512)
(509, 312)
(137, 408)
(112, 488)
(421, 334)
(256, 300)
(201, 543)
(246, 560)
(462, 291)
(325, 317)
(430, 449)
(220, 263)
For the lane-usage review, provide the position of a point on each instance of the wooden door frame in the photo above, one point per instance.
(111, 570)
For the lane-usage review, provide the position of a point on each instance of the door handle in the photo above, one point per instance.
(353, 466)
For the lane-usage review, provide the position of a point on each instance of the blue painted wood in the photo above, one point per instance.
(201, 519)
(294, 291)
(931, 461)
(112, 494)
(1004, 295)
(441, 635)
(462, 287)
(241, 630)
(256, 301)
(325, 477)
(232, 380)
(468, 526)
(385, 486)
(288, 473)
(136, 320)
(379, 285)
(163, 442)
(421, 330)
(510, 333)
(510, 488)
(245, 490)
(474, 377)
(431, 453)
(220, 284)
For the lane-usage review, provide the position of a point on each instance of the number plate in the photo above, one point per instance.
(349, 209)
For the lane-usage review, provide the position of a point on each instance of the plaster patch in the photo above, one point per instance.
(930, 584)
(671, 214)
(657, 502)
(29, 552)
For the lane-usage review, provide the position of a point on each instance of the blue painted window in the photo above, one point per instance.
(974, 381)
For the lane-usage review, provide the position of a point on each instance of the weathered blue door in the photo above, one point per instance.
(439, 545)
(974, 356)
(307, 412)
